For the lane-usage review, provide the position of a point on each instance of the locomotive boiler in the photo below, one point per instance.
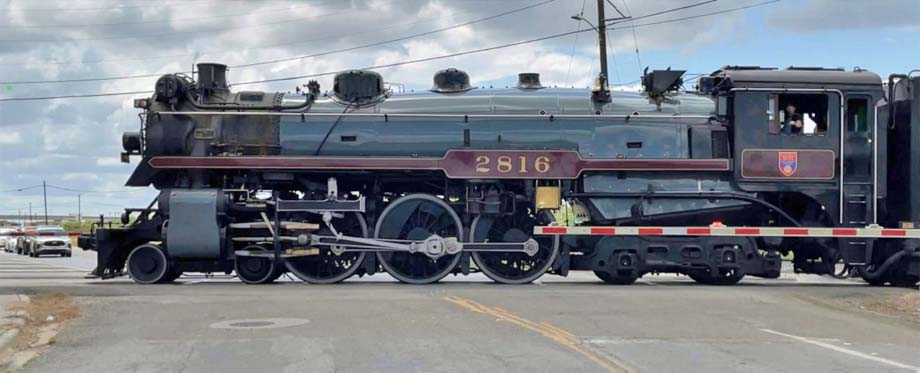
(521, 181)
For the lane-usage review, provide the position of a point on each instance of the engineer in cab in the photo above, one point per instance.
(793, 125)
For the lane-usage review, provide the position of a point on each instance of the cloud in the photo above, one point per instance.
(108, 161)
(65, 142)
(10, 138)
(825, 15)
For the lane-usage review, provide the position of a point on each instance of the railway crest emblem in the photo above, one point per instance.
(788, 162)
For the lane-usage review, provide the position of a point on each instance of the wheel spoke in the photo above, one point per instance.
(429, 216)
(326, 267)
(513, 267)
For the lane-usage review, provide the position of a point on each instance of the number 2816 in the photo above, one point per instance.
(507, 164)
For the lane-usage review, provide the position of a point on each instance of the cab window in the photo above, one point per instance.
(796, 114)
(857, 115)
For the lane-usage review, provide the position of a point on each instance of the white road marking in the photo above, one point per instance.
(36, 270)
(845, 350)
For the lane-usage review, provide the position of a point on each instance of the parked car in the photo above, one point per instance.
(48, 240)
(7, 240)
(20, 244)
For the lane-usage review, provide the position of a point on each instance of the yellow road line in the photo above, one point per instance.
(552, 332)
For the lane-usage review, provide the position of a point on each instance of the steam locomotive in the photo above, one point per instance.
(521, 181)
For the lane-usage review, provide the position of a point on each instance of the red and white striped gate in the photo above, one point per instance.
(869, 232)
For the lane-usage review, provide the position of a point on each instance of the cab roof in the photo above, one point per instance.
(756, 75)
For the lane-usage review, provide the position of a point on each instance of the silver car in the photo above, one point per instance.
(7, 240)
(48, 240)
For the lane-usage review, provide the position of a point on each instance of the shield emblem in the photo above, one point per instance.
(788, 162)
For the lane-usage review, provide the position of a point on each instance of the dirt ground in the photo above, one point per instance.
(903, 306)
(45, 316)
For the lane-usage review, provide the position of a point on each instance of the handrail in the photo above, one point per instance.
(433, 115)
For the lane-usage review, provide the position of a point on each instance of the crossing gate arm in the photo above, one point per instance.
(874, 232)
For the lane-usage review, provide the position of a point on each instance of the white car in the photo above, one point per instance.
(7, 240)
(48, 240)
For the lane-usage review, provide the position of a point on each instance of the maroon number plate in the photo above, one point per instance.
(517, 164)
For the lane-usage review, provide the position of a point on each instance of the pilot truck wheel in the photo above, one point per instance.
(256, 270)
(148, 264)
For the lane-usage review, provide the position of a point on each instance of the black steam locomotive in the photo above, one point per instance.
(716, 184)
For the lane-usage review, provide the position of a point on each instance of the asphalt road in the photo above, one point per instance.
(663, 323)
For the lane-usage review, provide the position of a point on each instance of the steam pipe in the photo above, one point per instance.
(191, 100)
(875, 275)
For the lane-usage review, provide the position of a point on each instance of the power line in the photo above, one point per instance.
(225, 51)
(635, 40)
(672, 10)
(126, 190)
(107, 8)
(168, 20)
(704, 14)
(75, 96)
(426, 33)
(91, 191)
(574, 44)
(501, 46)
(502, 14)
(21, 189)
(172, 34)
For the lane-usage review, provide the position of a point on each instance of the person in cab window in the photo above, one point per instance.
(793, 124)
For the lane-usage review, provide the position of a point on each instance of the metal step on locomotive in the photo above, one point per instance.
(527, 180)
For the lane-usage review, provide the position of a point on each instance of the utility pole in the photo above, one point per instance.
(601, 92)
(45, 194)
(602, 41)
(79, 212)
(30, 213)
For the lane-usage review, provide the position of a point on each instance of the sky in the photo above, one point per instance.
(73, 144)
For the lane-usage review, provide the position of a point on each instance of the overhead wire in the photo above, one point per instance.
(109, 8)
(168, 20)
(574, 44)
(480, 50)
(762, 3)
(125, 190)
(91, 191)
(501, 46)
(635, 39)
(342, 50)
(225, 51)
(480, 20)
(177, 33)
(74, 96)
(666, 11)
(21, 189)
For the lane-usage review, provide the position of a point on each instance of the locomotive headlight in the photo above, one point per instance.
(131, 142)
(141, 103)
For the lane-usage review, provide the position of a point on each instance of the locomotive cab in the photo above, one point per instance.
(808, 131)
